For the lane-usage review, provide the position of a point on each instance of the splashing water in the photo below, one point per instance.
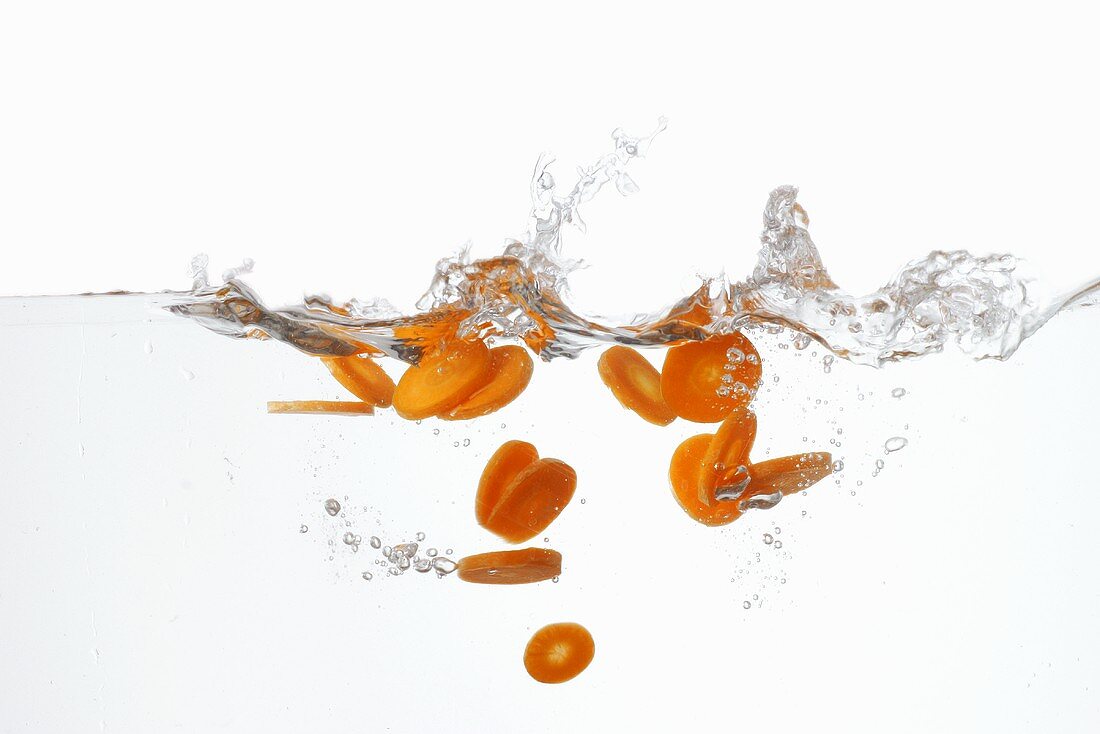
(982, 304)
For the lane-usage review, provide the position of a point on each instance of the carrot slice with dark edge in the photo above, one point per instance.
(525, 566)
(635, 383)
(363, 377)
(321, 407)
(442, 380)
(727, 451)
(789, 474)
(532, 500)
(508, 461)
(559, 652)
(509, 374)
(691, 378)
(683, 475)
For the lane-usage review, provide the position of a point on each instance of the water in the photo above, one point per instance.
(156, 512)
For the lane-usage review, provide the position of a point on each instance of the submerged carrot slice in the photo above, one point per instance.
(683, 475)
(635, 383)
(509, 373)
(532, 500)
(559, 652)
(508, 461)
(442, 380)
(331, 407)
(525, 566)
(363, 378)
(789, 474)
(692, 377)
(727, 451)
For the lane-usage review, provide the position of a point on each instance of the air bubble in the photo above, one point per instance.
(778, 544)
(898, 392)
(375, 541)
(303, 529)
(443, 566)
(747, 604)
(768, 539)
(897, 443)
(332, 507)
(420, 536)
(838, 466)
(367, 575)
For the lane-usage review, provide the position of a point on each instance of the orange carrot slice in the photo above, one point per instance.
(727, 451)
(532, 500)
(363, 378)
(683, 475)
(509, 373)
(442, 380)
(789, 474)
(322, 407)
(704, 381)
(525, 566)
(559, 652)
(504, 465)
(635, 383)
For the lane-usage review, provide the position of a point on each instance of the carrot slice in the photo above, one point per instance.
(727, 451)
(363, 378)
(442, 380)
(330, 407)
(789, 474)
(509, 460)
(683, 475)
(532, 500)
(559, 652)
(509, 373)
(525, 566)
(704, 381)
(635, 383)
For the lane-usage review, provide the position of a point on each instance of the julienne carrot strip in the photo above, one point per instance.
(363, 378)
(558, 652)
(320, 407)
(635, 383)
(525, 566)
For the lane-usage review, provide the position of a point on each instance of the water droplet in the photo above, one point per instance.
(435, 431)
(778, 544)
(755, 597)
(367, 575)
(838, 466)
(444, 566)
(803, 513)
(555, 579)
(465, 442)
(432, 552)
(332, 507)
(768, 539)
(387, 551)
(448, 551)
(777, 530)
(148, 347)
(827, 363)
(898, 392)
(423, 565)
(897, 443)
(187, 374)
(375, 541)
(349, 538)
(582, 500)
(879, 463)
(734, 355)
(303, 529)
(747, 604)
(406, 549)
(420, 536)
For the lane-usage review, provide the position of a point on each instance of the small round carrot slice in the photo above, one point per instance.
(442, 380)
(683, 475)
(363, 378)
(525, 566)
(635, 383)
(559, 652)
(789, 474)
(509, 373)
(532, 500)
(727, 451)
(692, 377)
(504, 465)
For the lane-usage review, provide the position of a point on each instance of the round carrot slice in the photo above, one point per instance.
(635, 383)
(704, 381)
(442, 380)
(363, 378)
(727, 451)
(525, 566)
(509, 373)
(532, 500)
(508, 461)
(683, 475)
(789, 474)
(559, 652)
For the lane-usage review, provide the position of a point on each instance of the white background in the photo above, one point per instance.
(345, 148)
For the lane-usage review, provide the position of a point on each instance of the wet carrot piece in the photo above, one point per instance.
(692, 377)
(363, 378)
(683, 475)
(509, 373)
(727, 451)
(635, 383)
(442, 380)
(559, 652)
(508, 461)
(331, 407)
(789, 474)
(532, 500)
(525, 566)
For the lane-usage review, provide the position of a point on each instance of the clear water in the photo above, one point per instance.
(172, 557)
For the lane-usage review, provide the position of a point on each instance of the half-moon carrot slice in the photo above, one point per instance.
(363, 378)
(504, 465)
(789, 474)
(704, 381)
(683, 475)
(442, 380)
(559, 652)
(525, 566)
(635, 383)
(322, 407)
(532, 500)
(509, 373)
(727, 451)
